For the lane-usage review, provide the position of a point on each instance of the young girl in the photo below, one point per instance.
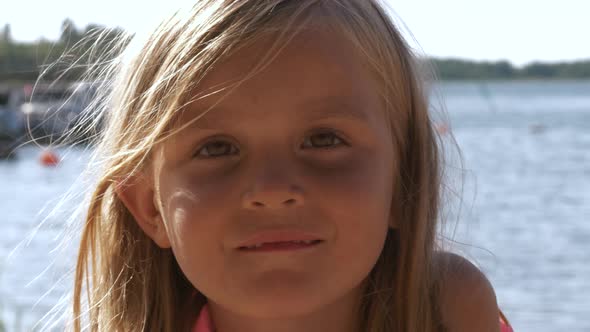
(270, 165)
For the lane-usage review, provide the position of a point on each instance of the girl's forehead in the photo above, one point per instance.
(317, 69)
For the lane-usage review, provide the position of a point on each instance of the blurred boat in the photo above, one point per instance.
(46, 115)
(11, 122)
(52, 111)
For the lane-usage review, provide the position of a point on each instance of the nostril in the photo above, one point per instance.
(271, 201)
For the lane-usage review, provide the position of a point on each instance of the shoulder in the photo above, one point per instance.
(467, 299)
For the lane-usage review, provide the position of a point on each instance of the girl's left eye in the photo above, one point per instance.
(322, 140)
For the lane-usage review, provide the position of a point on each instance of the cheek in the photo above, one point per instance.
(194, 217)
(357, 198)
(193, 201)
(361, 187)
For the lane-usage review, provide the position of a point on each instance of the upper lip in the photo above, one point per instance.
(272, 236)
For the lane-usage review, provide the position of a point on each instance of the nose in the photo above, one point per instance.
(272, 192)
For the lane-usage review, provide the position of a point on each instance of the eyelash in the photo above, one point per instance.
(339, 142)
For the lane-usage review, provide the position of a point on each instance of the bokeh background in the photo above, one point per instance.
(514, 82)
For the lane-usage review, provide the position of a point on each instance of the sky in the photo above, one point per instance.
(520, 31)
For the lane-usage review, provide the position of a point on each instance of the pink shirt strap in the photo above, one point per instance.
(204, 322)
(504, 325)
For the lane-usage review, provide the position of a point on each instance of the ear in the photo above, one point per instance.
(137, 194)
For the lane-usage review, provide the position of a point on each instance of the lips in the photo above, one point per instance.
(279, 238)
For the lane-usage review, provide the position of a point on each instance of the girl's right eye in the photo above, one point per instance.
(216, 149)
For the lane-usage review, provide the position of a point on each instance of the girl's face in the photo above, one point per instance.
(302, 146)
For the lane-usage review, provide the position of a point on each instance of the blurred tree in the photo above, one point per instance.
(458, 69)
(540, 70)
(466, 69)
(69, 33)
(580, 69)
(504, 69)
(6, 35)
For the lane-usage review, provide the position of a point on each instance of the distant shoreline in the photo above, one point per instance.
(24, 61)
(461, 69)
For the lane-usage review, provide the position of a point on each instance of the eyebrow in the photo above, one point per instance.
(315, 109)
(335, 107)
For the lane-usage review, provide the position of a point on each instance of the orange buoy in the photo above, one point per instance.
(49, 158)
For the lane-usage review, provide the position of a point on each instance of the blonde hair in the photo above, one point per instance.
(125, 282)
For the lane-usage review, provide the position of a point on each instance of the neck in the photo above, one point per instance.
(340, 316)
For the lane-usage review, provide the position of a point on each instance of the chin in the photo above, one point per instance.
(287, 302)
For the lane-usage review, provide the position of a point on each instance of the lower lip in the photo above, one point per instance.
(282, 246)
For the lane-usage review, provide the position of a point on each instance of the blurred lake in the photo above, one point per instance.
(525, 216)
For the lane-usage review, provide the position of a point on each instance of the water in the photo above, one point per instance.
(525, 218)
(28, 192)
(527, 147)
